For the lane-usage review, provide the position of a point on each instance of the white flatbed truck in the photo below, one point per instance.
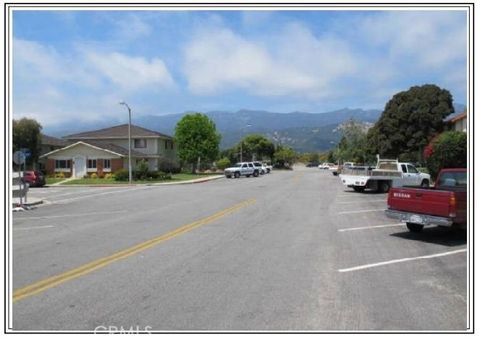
(386, 174)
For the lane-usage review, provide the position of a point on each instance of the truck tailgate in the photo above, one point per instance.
(417, 200)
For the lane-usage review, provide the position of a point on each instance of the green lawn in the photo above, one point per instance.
(175, 177)
(52, 180)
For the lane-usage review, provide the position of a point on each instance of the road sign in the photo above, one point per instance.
(19, 157)
(26, 152)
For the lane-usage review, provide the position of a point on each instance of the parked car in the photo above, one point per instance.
(268, 166)
(325, 165)
(261, 168)
(443, 205)
(242, 169)
(312, 164)
(34, 178)
(334, 169)
(386, 174)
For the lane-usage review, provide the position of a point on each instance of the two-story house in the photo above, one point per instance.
(106, 151)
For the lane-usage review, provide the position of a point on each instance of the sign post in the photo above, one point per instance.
(19, 159)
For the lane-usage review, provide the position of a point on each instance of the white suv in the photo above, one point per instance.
(242, 168)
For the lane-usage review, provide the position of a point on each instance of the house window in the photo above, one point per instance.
(63, 164)
(106, 164)
(140, 143)
(92, 164)
(168, 145)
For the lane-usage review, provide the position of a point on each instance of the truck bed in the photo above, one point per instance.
(433, 202)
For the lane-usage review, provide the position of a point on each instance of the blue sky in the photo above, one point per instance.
(77, 65)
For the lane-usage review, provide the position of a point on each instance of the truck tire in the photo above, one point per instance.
(236, 175)
(358, 189)
(425, 184)
(414, 227)
(255, 173)
(384, 187)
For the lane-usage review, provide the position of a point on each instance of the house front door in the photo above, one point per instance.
(79, 166)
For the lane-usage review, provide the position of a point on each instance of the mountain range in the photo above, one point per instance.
(302, 131)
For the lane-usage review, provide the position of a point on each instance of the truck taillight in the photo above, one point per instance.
(453, 205)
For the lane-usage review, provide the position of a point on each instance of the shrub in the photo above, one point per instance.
(93, 176)
(59, 175)
(121, 175)
(168, 166)
(108, 176)
(153, 175)
(141, 172)
(448, 150)
(223, 163)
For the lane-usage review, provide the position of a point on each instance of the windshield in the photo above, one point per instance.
(453, 179)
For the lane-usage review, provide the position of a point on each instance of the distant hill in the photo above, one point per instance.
(302, 131)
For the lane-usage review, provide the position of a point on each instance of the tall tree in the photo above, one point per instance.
(197, 139)
(410, 119)
(284, 156)
(26, 135)
(256, 146)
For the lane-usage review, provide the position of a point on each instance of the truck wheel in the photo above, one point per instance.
(425, 184)
(236, 175)
(414, 227)
(384, 187)
(255, 173)
(358, 189)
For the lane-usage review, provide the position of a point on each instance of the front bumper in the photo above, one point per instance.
(416, 218)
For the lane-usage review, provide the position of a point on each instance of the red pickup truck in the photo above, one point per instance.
(443, 205)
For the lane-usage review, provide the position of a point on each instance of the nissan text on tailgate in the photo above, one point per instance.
(443, 205)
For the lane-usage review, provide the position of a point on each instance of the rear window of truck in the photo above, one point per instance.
(452, 179)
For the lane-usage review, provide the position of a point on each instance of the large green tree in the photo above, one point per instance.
(352, 146)
(410, 119)
(256, 147)
(284, 156)
(197, 139)
(26, 135)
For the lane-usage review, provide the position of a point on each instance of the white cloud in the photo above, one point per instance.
(130, 73)
(52, 87)
(432, 39)
(297, 64)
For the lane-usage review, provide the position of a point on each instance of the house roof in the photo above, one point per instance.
(53, 141)
(120, 131)
(458, 117)
(111, 148)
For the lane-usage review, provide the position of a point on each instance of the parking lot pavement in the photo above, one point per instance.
(286, 251)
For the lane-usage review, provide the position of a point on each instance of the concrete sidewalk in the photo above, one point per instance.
(187, 182)
(31, 201)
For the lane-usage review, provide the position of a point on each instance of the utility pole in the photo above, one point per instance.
(129, 141)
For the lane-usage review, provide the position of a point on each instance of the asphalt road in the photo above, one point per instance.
(285, 251)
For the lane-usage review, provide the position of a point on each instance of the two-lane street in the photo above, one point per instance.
(291, 250)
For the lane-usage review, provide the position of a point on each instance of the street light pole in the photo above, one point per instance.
(129, 141)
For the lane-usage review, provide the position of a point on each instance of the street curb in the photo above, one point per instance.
(37, 202)
(188, 182)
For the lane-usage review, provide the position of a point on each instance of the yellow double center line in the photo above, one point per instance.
(56, 280)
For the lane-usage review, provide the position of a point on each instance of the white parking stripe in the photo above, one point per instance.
(360, 211)
(369, 227)
(32, 228)
(72, 215)
(373, 265)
